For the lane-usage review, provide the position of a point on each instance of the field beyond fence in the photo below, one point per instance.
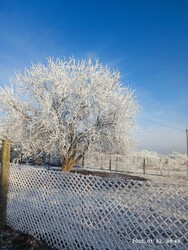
(164, 166)
(72, 211)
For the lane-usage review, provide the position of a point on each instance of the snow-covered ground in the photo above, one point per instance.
(141, 162)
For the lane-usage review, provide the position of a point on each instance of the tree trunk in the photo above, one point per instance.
(68, 164)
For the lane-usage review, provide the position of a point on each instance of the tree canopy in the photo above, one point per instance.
(66, 108)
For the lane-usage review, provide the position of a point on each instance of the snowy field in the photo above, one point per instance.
(174, 165)
(72, 211)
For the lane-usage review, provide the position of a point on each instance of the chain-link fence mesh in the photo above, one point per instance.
(72, 211)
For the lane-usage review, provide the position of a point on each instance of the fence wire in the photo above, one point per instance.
(72, 211)
(164, 166)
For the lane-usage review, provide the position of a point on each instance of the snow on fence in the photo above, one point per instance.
(72, 211)
(164, 166)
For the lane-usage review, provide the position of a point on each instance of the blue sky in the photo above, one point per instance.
(146, 40)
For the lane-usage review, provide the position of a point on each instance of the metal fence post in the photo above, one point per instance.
(187, 150)
(4, 181)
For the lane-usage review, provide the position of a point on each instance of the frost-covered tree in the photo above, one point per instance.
(67, 108)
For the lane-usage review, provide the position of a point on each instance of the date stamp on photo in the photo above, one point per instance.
(156, 241)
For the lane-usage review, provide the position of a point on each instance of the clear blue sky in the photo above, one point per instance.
(146, 40)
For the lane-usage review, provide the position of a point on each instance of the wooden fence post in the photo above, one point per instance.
(110, 164)
(101, 162)
(83, 161)
(4, 181)
(144, 166)
(161, 167)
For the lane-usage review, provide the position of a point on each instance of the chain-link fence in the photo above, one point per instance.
(72, 211)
